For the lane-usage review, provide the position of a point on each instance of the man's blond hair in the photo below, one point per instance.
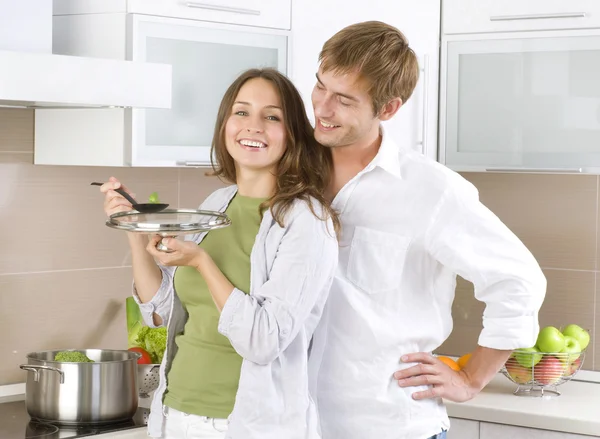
(380, 54)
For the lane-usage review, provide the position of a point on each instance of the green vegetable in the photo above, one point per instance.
(152, 340)
(72, 357)
(153, 198)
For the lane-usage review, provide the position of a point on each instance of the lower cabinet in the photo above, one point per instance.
(468, 429)
(498, 431)
(464, 429)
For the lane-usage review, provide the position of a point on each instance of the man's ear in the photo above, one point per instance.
(389, 109)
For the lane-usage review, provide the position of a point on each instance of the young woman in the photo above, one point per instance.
(241, 303)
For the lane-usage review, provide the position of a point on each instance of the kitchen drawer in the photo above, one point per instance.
(261, 13)
(474, 16)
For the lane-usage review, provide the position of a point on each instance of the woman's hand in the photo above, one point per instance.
(113, 201)
(183, 253)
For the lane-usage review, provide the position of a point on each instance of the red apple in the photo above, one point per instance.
(520, 374)
(573, 367)
(549, 370)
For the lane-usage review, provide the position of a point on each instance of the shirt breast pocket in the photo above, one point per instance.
(376, 260)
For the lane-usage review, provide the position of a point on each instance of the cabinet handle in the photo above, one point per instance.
(222, 8)
(425, 114)
(534, 170)
(192, 164)
(538, 16)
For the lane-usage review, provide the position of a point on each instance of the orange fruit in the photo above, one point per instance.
(462, 361)
(449, 362)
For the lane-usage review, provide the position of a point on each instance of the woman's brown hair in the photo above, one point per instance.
(304, 170)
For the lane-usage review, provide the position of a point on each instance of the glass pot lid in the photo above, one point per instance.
(169, 222)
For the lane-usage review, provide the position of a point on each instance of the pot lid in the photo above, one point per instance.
(169, 222)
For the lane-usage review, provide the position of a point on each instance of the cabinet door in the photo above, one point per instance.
(469, 16)
(463, 429)
(523, 102)
(498, 431)
(263, 13)
(205, 59)
(415, 124)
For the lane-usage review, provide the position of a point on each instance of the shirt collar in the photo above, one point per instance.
(388, 156)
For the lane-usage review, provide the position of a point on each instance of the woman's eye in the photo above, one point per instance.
(275, 118)
(241, 113)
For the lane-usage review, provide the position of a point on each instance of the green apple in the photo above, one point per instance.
(572, 349)
(528, 357)
(580, 334)
(550, 340)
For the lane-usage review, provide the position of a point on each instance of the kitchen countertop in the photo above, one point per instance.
(576, 410)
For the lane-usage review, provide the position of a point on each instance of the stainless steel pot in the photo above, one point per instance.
(82, 393)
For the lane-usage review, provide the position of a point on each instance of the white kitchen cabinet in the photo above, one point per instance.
(463, 429)
(415, 125)
(498, 431)
(261, 13)
(522, 102)
(478, 16)
(205, 58)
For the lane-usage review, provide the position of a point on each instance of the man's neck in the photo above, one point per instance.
(349, 160)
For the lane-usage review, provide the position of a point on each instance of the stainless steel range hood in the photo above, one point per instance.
(31, 76)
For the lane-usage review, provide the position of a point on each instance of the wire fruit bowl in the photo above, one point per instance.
(539, 373)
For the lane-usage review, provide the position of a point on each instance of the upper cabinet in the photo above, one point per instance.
(415, 124)
(262, 13)
(517, 98)
(478, 16)
(208, 44)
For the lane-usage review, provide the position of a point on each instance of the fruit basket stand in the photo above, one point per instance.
(540, 374)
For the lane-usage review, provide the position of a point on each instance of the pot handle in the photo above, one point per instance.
(36, 370)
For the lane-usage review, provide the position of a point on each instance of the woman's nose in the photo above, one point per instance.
(255, 126)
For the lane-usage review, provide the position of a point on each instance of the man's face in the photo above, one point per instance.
(343, 109)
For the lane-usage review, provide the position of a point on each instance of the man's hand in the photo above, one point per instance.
(446, 383)
(443, 381)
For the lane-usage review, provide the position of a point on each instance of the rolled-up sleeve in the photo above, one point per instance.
(468, 238)
(262, 325)
(161, 302)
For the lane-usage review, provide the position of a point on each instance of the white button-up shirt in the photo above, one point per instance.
(409, 226)
(291, 271)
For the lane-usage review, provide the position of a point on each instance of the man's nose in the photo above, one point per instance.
(324, 107)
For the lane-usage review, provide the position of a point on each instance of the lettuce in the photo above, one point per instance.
(152, 340)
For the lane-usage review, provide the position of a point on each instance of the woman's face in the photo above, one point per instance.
(255, 134)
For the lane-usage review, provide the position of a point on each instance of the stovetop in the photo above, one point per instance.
(15, 423)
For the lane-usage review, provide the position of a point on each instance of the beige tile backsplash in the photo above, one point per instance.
(64, 276)
(556, 217)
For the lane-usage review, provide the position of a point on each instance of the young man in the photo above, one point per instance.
(409, 226)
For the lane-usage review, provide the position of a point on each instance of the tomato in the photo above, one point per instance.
(145, 358)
